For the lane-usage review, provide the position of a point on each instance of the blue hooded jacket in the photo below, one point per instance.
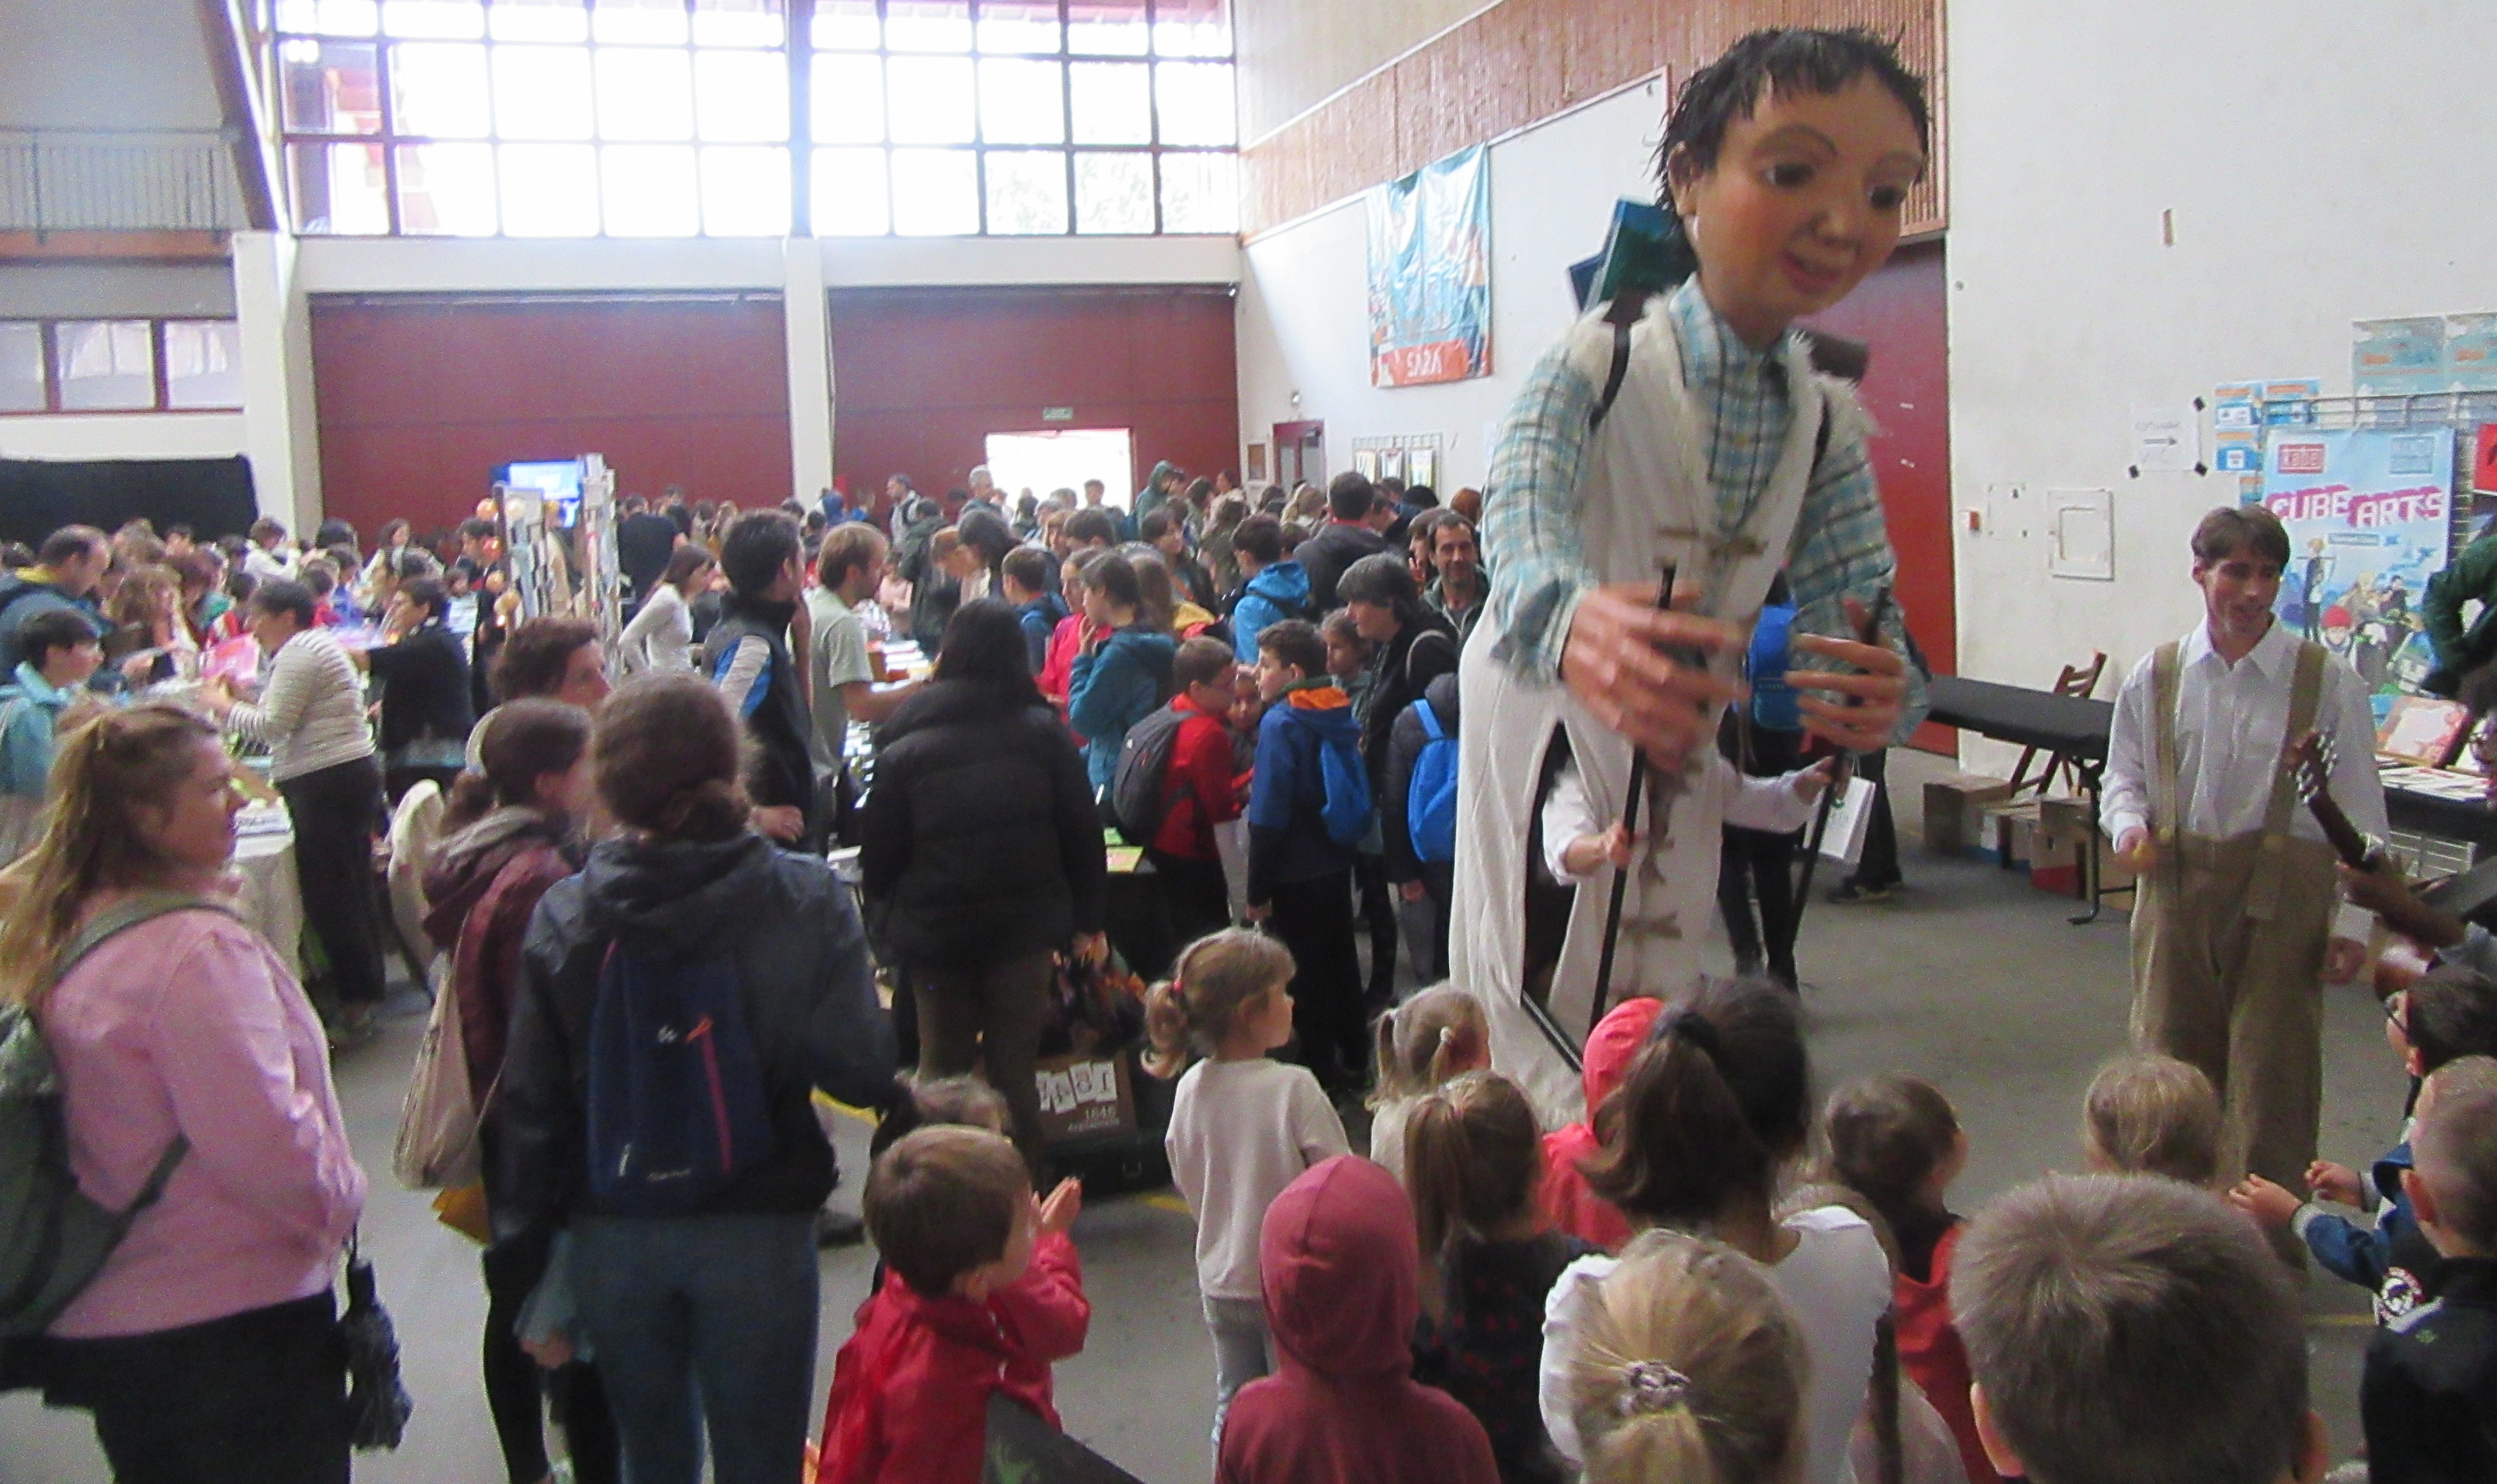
(1279, 591)
(1113, 688)
(1288, 832)
(2371, 1258)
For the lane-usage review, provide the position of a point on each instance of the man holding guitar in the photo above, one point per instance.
(2235, 921)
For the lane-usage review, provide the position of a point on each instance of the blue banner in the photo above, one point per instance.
(2370, 515)
(1430, 273)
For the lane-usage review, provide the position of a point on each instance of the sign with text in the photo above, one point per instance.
(1430, 273)
(2370, 515)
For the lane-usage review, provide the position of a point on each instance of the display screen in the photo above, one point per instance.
(559, 479)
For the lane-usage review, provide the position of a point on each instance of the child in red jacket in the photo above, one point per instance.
(1200, 791)
(982, 1291)
(1615, 1044)
(1896, 1141)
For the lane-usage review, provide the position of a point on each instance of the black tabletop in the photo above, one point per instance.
(2031, 718)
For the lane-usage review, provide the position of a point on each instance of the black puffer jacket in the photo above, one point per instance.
(811, 1008)
(980, 839)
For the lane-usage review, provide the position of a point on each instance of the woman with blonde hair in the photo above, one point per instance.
(196, 1091)
(1690, 1369)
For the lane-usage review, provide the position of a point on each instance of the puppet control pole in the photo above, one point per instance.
(1630, 801)
(1839, 777)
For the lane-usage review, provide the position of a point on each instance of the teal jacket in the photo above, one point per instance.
(1127, 678)
(28, 708)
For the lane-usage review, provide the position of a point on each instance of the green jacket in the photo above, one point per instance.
(2471, 575)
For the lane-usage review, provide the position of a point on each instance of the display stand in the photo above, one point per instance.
(561, 571)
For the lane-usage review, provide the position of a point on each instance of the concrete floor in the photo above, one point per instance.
(1968, 977)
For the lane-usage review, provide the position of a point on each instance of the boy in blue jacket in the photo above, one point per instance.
(1274, 586)
(2450, 1013)
(1125, 676)
(1300, 878)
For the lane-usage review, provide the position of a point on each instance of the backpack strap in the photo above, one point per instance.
(1625, 311)
(1430, 718)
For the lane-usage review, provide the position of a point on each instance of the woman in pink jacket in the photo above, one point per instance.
(206, 1346)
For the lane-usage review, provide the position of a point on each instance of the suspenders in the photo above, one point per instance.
(2167, 800)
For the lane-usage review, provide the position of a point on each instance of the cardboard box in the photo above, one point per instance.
(1083, 1097)
(2010, 833)
(2057, 865)
(1954, 809)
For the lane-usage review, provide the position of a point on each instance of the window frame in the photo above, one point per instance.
(797, 50)
(48, 328)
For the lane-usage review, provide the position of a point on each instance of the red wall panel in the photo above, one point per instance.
(1900, 311)
(422, 398)
(921, 376)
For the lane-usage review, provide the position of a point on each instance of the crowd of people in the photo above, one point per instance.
(650, 965)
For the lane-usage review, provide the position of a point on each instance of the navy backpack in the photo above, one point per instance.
(677, 1108)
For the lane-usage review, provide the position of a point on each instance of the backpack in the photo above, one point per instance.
(1345, 808)
(1138, 798)
(677, 1108)
(53, 1240)
(1431, 799)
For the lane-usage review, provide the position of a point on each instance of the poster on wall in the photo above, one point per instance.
(2397, 357)
(2368, 514)
(1430, 273)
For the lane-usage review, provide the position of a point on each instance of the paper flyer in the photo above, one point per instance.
(2397, 357)
(2369, 515)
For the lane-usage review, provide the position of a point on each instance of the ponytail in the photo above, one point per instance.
(1430, 1038)
(1474, 1156)
(1711, 1108)
(1191, 1013)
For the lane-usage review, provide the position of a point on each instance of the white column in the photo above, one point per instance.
(281, 425)
(803, 317)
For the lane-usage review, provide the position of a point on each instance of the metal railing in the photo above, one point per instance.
(111, 181)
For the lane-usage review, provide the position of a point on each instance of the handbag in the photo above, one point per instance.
(437, 1145)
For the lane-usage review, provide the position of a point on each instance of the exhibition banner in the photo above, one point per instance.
(1430, 273)
(2369, 515)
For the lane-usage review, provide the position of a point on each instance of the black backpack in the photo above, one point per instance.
(1138, 801)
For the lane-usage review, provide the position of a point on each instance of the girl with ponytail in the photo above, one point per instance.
(195, 1082)
(1474, 1156)
(1437, 1035)
(1698, 1139)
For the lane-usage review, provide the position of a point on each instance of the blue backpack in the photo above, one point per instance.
(677, 1109)
(1345, 810)
(1430, 798)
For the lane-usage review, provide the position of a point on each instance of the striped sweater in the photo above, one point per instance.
(311, 711)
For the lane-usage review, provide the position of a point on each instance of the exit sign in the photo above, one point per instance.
(1057, 413)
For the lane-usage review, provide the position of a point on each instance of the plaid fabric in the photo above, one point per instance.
(1532, 499)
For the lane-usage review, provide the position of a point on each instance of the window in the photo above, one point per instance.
(1062, 116)
(119, 365)
(677, 117)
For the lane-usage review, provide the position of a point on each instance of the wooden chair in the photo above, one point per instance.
(2075, 680)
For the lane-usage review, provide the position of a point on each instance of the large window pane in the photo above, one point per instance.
(1192, 29)
(849, 194)
(203, 363)
(645, 93)
(338, 188)
(105, 365)
(542, 93)
(736, 22)
(1109, 27)
(849, 100)
(446, 189)
(1114, 103)
(1023, 103)
(1201, 193)
(330, 87)
(451, 20)
(931, 100)
(330, 17)
(746, 192)
(1019, 25)
(22, 366)
(1196, 103)
(848, 25)
(1114, 193)
(651, 190)
(438, 89)
(539, 21)
(1026, 191)
(644, 22)
(936, 193)
(741, 95)
(928, 25)
(550, 190)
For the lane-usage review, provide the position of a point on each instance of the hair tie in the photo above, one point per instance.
(1651, 1386)
(1694, 1028)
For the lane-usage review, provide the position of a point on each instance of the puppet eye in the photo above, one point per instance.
(1888, 197)
(1790, 175)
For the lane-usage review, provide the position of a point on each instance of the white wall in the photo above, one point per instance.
(2323, 163)
(1304, 321)
(124, 435)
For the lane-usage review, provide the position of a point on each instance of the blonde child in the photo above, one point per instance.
(1897, 1142)
(1437, 1035)
(1242, 1126)
(1690, 1368)
(2151, 1114)
(1473, 1156)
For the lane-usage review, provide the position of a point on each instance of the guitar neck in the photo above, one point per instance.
(2347, 842)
